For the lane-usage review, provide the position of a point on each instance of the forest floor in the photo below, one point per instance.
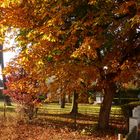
(40, 129)
(54, 123)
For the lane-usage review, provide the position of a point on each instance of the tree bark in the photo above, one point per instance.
(105, 109)
(7, 99)
(74, 109)
(68, 99)
(62, 101)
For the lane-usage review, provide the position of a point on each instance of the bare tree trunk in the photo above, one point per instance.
(74, 109)
(104, 114)
(62, 101)
(6, 98)
(68, 99)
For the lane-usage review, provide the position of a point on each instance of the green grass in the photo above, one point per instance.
(51, 112)
(87, 109)
(54, 108)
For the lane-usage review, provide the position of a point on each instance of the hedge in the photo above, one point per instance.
(127, 108)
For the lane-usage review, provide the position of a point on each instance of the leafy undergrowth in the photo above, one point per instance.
(39, 129)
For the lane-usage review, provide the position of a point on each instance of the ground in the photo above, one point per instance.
(11, 129)
(54, 123)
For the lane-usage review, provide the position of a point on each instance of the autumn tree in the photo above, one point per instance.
(24, 90)
(68, 38)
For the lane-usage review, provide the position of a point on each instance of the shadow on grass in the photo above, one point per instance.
(79, 116)
(48, 121)
(60, 123)
(7, 109)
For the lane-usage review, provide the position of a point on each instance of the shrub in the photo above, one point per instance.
(25, 93)
(122, 101)
(91, 100)
(127, 108)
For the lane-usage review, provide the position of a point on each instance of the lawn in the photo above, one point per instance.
(88, 113)
(54, 123)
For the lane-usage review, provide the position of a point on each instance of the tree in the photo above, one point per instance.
(62, 101)
(19, 86)
(74, 109)
(67, 38)
(7, 99)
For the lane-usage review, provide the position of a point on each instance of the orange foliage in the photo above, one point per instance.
(74, 40)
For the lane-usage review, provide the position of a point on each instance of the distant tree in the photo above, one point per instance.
(74, 109)
(7, 99)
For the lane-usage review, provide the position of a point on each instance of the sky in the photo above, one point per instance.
(9, 42)
(7, 56)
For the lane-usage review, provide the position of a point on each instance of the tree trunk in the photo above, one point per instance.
(62, 101)
(104, 114)
(74, 109)
(68, 98)
(7, 99)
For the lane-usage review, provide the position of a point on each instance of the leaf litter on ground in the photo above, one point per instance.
(13, 129)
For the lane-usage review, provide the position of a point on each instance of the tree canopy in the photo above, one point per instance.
(78, 41)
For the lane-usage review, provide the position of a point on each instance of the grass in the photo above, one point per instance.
(82, 108)
(88, 113)
(54, 108)
(85, 109)
(53, 118)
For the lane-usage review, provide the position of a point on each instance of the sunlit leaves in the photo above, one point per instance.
(71, 40)
(3, 29)
(92, 2)
(88, 49)
(125, 65)
(48, 37)
(135, 20)
(128, 7)
(7, 3)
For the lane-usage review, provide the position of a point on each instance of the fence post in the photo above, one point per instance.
(4, 110)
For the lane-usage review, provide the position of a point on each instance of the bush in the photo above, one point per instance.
(122, 101)
(27, 111)
(91, 100)
(127, 108)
